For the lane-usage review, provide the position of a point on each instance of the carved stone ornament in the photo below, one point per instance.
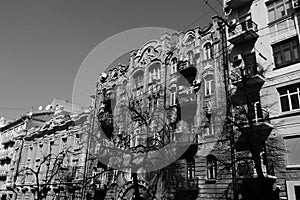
(149, 55)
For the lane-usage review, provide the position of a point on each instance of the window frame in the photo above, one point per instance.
(279, 49)
(287, 140)
(173, 66)
(208, 51)
(190, 169)
(285, 92)
(275, 5)
(209, 131)
(138, 79)
(154, 72)
(211, 167)
(173, 98)
(208, 82)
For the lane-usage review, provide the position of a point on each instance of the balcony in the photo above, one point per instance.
(187, 70)
(106, 123)
(233, 4)
(186, 142)
(259, 128)
(242, 32)
(186, 96)
(188, 103)
(247, 75)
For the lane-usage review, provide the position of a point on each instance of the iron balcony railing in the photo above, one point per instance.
(240, 29)
(186, 95)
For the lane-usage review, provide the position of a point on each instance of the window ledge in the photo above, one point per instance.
(209, 136)
(293, 166)
(210, 181)
(289, 113)
(286, 65)
(208, 96)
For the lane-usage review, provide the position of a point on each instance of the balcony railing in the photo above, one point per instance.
(186, 96)
(242, 32)
(249, 73)
(255, 114)
(187, 69)
(183, 65)
(183, 136)
(257, 125)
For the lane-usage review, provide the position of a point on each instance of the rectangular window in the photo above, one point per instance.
(209, 131)
(292, 150)
(286, 52)
(297, 192)
(211, 167)
(138, 81)
(190, 169)
(154, 74)
(279, 9)
(289, 97)
(173, 67)
(208, 87)
(173, 99)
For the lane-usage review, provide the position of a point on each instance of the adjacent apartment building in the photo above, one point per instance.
(10, 146)
(44, 153)
(263, 40)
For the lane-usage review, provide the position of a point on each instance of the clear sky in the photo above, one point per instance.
(43, 43)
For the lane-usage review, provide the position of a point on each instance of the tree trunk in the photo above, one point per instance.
(257, 161)
(136, 187)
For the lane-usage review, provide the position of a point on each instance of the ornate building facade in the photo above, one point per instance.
(10, 146)
(159, 121)
(47, 153)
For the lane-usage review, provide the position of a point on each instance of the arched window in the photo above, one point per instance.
(211, 167)
(208, 54)
(138, 79)
(190, 55)
(173, 65)
(154, 72)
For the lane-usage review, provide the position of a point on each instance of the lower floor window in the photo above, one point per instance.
(289, 97)
(292, 150)
(211, 167)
